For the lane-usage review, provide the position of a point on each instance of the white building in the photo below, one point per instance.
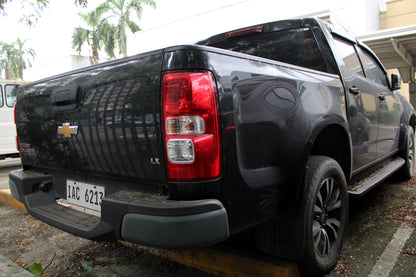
(51, 68)
(188, 21)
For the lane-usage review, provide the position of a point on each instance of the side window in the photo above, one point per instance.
(348, 55)
(372, 70)
(1, 96)
(10, 92)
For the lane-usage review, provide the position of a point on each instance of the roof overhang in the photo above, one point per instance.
(396, 48)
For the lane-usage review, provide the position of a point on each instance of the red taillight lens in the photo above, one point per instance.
(15, 105)
(15, 123)
(191, 125)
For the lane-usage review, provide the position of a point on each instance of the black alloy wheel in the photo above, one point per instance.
(325, 215)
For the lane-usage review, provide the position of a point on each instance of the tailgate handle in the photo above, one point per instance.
(65, 98)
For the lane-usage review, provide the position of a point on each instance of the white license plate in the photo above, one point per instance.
(84, 195)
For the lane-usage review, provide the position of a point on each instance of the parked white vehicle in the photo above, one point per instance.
(8, 89)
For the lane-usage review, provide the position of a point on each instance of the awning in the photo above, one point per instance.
(396, 48)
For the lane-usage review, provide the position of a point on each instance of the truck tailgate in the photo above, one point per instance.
(101, 121)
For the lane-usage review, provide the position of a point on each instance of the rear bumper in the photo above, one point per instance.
(149, 220)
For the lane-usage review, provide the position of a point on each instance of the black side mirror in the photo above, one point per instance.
(396, 81)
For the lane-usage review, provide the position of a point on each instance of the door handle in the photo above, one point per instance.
(354, 90)
(382, 97)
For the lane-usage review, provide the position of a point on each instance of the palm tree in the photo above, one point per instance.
(21, 58)
(5, 57)
(13, 58)
(121, 11)
(101, 32)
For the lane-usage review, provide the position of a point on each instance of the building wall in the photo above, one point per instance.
(399, 13)
(55, 67)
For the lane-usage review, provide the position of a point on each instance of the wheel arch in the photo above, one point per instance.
(334, 141)
(331, 140)
(408, 119)
(412, 121)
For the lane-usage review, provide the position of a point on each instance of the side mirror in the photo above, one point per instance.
(396, 81)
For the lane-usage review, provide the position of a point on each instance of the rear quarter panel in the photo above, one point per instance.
(270, 115)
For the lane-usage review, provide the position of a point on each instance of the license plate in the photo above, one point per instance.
(84, 195)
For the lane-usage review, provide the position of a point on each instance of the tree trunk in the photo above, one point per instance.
(7, 72)
(95, 57)
(124, 45)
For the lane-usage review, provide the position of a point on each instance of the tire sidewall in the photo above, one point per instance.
(319, 169)
(409, 164)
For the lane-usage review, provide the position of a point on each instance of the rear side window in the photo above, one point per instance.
(350, 60)
(372, 70)
(1, 96)
(293, 46)
(10, 93)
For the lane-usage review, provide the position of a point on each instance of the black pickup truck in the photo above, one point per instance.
(266, 130)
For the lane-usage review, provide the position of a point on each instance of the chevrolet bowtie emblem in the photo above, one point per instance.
(67, 130)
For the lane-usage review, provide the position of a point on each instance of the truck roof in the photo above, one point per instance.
(265, 28)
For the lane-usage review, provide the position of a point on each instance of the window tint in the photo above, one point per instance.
(10, 93)
(350, 60)
(372, 70)
(1, 96)
(294, 46)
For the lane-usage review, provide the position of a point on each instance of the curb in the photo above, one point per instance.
(7, 267)
(224, 263)
(210, 260)
(10, 269)
(7, 198)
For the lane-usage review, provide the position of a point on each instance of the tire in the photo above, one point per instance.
(407, 171)
(325, 210)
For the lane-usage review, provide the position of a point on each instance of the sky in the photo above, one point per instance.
(172, 22)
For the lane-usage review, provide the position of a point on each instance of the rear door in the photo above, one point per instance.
(389, 104)
(362, 103)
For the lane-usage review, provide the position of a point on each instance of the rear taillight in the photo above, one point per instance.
(15, 123)
(15, 105)
(191, 128)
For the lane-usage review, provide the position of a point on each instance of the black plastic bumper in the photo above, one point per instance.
(150, 220)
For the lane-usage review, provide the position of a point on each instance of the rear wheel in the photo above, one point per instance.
(325, 214)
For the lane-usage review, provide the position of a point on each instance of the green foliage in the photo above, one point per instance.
(14, 58)
(100, 273)
(103, 33)
(36, 268)
(124, 13)
(88, 266)
(98, 35)
(34, 9)
(34, 12)
(81, 3)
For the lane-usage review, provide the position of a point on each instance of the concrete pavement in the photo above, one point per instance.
(6, 166)
(7, 267)
(10, 269)
(359, 257)
(209, 260)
